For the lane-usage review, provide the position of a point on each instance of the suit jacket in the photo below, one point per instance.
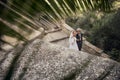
(79, 36)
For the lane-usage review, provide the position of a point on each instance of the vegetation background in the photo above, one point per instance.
(94, 16)
(101, 28)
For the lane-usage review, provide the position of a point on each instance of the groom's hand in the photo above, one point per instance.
(78, 39)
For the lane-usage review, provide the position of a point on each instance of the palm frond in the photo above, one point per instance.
(26, 10)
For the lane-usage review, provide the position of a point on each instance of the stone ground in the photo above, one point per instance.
(50, 59)
(55, 36)
(41, 60)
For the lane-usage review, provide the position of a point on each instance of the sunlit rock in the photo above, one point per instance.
(44, 61)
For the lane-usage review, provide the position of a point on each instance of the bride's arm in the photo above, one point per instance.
(71, 40)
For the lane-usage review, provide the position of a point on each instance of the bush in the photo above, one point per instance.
(102, 29)
(115, 54)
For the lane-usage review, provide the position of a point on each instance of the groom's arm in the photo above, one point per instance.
(78, 38)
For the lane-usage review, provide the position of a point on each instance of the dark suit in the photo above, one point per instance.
(79, 43)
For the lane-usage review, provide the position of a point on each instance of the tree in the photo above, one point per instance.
(26, 10)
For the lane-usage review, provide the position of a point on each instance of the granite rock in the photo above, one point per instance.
(40, 60)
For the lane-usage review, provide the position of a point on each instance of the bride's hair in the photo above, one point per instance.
(72, 33)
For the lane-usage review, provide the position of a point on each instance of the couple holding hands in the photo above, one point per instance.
(75, 40)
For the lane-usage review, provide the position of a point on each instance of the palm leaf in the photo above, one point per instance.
(26, 10)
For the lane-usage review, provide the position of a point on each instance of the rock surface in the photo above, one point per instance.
(7, 60)
(46, 61)
(55, 36)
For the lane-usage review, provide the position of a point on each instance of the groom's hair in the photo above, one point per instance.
(78, 29)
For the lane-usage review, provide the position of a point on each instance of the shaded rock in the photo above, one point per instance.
(7, 60)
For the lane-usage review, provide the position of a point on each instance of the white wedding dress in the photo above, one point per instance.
(72, 42)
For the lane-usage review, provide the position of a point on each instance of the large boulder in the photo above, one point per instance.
(46, 61)
(7, 61)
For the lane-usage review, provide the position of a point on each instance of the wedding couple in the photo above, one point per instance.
(75, 40)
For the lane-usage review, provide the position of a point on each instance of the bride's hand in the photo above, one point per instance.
(72, 43)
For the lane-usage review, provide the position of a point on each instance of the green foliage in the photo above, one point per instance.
(106, 34)
(102, 30)
(57, 8)
(115, 54)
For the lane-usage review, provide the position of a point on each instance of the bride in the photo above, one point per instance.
(72, 41)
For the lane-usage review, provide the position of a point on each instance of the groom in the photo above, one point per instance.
(79, 38)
